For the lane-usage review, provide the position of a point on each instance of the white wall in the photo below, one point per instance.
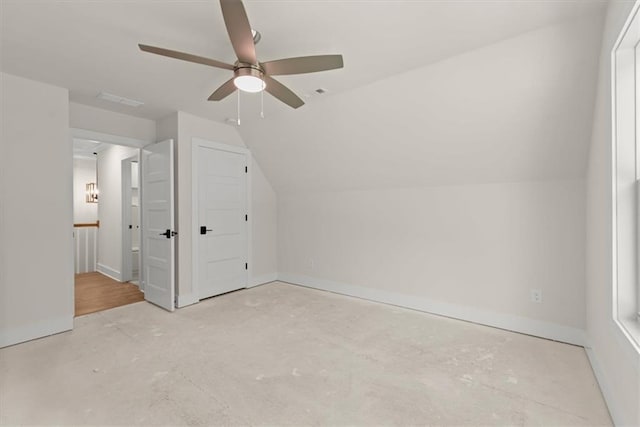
(518, 110)
(615, 362)
(167, 128)
(84, 238)
(455, 188)
(110, 209)
(36, 273)
(84, 172)
(85, 241)
(473, 252)
(264, 228)
(104, 121)
(263, 215)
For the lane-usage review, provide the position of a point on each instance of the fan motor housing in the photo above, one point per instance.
(244, 69)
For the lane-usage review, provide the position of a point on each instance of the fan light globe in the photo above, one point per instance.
(251, 84)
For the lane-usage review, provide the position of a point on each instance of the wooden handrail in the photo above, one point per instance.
(87, 224)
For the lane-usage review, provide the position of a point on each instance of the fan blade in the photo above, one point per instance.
(239, 30)
(185, 56)
(223, 91)
(303, 64)
(283, 93)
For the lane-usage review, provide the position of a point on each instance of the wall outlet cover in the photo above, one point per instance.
(536, 296)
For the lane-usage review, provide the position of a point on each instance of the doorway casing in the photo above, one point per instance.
(122, 141)
(196, 144)
(128, 221)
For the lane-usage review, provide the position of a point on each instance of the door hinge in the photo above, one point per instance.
(246, 265)
(246, 169)
(246, 217)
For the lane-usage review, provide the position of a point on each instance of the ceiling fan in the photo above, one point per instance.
(249, 74)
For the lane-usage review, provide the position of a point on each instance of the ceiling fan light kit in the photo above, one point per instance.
(249, 78)
(250, 75)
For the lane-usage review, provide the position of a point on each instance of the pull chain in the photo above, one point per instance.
(238, 107)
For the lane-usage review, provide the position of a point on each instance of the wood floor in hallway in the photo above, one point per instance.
(97, 292)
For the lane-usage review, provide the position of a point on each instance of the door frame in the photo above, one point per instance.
(126, 193)
(102, 137)
(196, 143)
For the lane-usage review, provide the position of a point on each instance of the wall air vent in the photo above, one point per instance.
(119, 99)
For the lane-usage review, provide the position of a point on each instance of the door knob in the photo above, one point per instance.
(169, 234)
(204, 229)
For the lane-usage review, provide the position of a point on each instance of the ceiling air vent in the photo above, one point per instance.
(119, 99)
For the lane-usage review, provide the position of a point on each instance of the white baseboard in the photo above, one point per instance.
(109, 272)
(187, 299)
(605, 387)
(11, 336)
(262, 279)
(509, 322)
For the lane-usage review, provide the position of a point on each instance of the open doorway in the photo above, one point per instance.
(106, 223)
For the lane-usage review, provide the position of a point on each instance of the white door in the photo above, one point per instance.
(221, 220)
(158, 241)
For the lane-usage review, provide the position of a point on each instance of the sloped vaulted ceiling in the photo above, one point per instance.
(433, 91)
(516, 110)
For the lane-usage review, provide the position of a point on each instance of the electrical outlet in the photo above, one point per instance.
(536, 296)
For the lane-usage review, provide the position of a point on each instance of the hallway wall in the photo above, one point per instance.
(35, 300)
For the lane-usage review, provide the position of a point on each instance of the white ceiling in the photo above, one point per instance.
(432, 93)
(91, 46)
(87, 148)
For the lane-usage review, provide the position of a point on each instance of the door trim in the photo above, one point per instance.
(126, 193)
(106, 137)
(102, 137)
(195, 252)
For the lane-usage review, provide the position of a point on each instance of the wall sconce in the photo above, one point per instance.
(92, 193)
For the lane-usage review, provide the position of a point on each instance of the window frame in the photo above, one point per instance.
(625, 166)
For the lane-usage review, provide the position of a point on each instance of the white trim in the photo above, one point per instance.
(508, 322)
(17, 335)
(262, 280)
(126, 194)
(199, 142)
(141, 273)
(109, 272)
(194, 220)
(249, 159)
(220, 146)
(185, 300)
(605, 387)
(614, 179)
(105, 137)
